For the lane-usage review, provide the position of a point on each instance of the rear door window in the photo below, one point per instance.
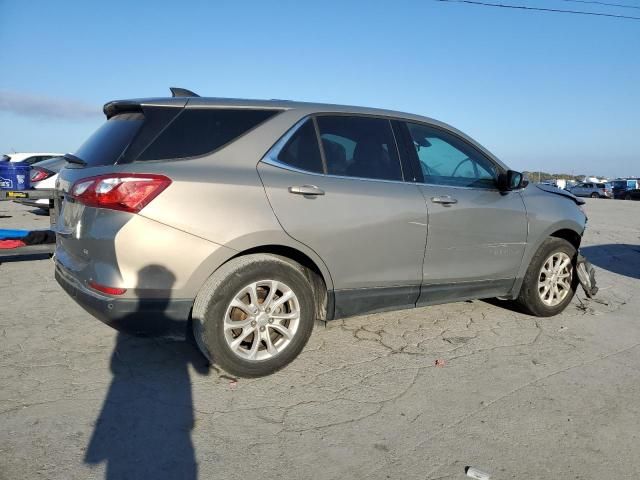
(361, 147)
(302, 151)
(199, 131)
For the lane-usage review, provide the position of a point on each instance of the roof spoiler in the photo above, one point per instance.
(182, 92)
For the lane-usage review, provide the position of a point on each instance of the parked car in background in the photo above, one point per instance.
(28, 158)
(44, 175)
(622, 185)
(633, 194)
(593, 190)
(257, 218)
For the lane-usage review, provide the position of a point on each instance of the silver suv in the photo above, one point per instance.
(593, 190)
(254, 218)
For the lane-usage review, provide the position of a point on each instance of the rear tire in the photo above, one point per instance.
(595, 195)
(627, 196)
(537, 295)
(254, 315)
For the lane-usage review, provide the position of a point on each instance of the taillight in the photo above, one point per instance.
(107, 290)
(128, 192)
(38, 174)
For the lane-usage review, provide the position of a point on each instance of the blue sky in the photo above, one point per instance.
(546, 91)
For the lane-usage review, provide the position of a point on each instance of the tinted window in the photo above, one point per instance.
(302, 151)
(446, 160)
(54, 164)
(600, 185)
(199, 131)
(36, 159)
(359, 147)
(106, 145)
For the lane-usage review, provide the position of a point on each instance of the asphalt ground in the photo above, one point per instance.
(415, 394)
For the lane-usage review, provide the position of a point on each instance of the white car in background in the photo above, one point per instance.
(29, 158)
(43, 175)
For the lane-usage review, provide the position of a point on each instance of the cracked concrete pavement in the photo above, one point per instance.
(513, 395)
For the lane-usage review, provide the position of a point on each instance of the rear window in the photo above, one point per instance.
(199, 131)
(302, 151)
(106, 145)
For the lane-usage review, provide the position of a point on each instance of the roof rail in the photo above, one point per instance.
(182, 92)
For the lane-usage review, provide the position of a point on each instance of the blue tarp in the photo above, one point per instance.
(13, 233)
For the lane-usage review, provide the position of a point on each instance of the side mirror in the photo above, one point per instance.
(511, 180)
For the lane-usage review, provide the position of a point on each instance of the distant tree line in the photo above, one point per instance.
(533, 176)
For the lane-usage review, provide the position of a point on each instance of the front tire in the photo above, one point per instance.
(595, 195)
(550, 281)
(254, 315)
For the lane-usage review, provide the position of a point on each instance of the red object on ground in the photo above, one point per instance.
(6, 244)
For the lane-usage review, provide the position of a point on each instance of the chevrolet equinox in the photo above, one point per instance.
(246, 221)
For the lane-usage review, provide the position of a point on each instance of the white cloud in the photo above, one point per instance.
(37, 106)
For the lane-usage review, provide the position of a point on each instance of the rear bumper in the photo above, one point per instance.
(160, 317)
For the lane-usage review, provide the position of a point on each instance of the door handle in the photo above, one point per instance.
(445, 200)
(306, 190)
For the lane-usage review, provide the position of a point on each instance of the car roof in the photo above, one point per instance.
(304, 108)
(270, 104)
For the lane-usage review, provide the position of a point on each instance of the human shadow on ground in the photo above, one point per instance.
(144, 428)
(620, 258)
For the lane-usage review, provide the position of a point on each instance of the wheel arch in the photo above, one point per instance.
(317, 272)
(571, 236)
(320, 280)
(567, 230)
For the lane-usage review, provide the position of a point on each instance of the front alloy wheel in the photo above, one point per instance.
(554, 280)
(549, 283)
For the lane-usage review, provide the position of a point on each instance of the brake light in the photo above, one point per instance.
(128, 192)
(38, 174)
(107, 290)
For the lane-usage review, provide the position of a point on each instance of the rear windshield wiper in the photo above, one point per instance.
(71, 158)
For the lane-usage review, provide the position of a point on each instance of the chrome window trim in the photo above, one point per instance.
(481, 189)
(276, 163)
(271, 158)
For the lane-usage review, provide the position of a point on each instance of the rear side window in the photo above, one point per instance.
(198, 131)
(106, 145)
(359, 147)
(302, 151)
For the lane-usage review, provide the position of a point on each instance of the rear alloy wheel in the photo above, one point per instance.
(255, 314)
(550, 281)
(595, 195)
(261, 320)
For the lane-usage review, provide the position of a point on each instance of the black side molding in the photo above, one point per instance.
(182, 92)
